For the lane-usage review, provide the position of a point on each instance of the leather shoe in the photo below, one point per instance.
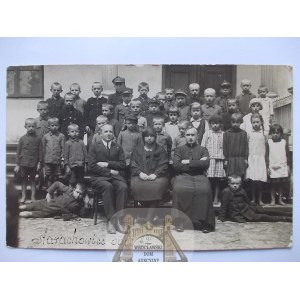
(120, 227)
(110, 227)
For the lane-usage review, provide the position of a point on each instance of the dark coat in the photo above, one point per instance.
(114, 156)
(93, 109)
(154, 163)
(68, 116)
(236, 206)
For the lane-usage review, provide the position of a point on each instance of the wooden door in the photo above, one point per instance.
(180, 76)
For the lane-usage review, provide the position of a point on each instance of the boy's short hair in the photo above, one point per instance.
(75, 84)
(263, 87)
(109, 106)
(157, 119)
(42, 103)
(209, 90)
(30, 120)
(143, 85)
(184, 123)
(195, 105)
(237, 117)
(135, 102)
(73, 127)
(216, 119)
(53, 120)
(276, 127)
(101, 117)
(245, 81)
(173, 110)
(234, 176)
(56, 84)
(97, 82)
(194, 84)
(69, 95)
(169, 89)
(81, 187)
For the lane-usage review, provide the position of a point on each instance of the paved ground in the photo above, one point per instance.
(83, 234)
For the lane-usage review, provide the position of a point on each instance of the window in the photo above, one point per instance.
(25, 82)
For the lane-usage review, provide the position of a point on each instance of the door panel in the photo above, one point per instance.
(208, 76)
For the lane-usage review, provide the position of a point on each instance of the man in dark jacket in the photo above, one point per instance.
(107, 166)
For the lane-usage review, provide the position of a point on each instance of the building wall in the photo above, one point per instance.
(252, 73)
(85, 75)
(134, 74)
(17, 110)
(20, 109)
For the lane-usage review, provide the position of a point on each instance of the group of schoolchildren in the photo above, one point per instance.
(239, 133)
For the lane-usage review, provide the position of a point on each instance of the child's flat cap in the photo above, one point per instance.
(225, 83)
(126, 91)
(131, 117)
(180, 92)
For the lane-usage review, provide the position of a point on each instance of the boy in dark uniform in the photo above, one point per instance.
(225, 94)
(92, 110)
(119, 85)
(143, 89)
(70, 115)
(236, 207)
(56, 102)
(123, 109)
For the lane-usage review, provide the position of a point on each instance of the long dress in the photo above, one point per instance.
(149, 162)
(191, 188)
(235, 149)
(257, 169)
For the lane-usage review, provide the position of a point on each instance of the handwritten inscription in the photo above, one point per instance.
(74, 239)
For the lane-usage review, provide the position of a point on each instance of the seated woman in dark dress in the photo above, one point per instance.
(191, 188)
(149, 167)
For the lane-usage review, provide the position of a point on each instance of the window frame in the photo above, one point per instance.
(16, 82)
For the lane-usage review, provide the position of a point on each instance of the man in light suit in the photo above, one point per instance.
(107, 165)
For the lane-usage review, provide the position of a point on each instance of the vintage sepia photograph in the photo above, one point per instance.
(147, 157)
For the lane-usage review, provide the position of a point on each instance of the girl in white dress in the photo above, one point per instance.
(278, 162)
(257, 169)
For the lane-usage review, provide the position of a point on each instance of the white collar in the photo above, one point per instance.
(106, 144)
(126, 104)
(193, 120)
